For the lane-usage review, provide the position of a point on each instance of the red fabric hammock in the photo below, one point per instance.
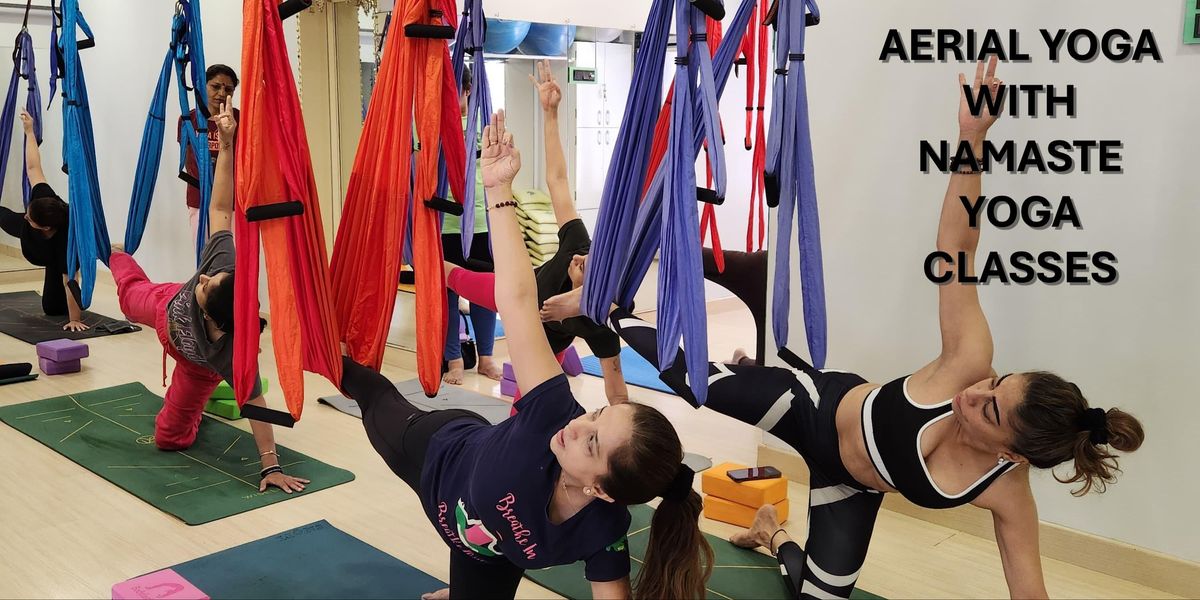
(754, 51)
(415, 85)
(708, 214)
(273, 167)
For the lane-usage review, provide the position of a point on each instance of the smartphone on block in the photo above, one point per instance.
(753, 473)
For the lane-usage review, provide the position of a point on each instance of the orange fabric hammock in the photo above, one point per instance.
(274, 181)
(411, 87)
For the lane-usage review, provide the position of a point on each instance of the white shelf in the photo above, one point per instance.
(490, 56)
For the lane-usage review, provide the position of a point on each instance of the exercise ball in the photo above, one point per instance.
(503, 36)
(594, 34)
(545, 39)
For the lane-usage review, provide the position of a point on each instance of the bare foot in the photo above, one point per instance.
(766, 523)
(738, 355)
(454, 373)
(442, 594)
(488, 368)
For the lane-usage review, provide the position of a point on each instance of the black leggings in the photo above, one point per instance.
(54, 295)
(746, 276)
(799, 406)
(400, 433)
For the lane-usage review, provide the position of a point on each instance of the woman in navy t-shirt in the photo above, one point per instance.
(549, 486)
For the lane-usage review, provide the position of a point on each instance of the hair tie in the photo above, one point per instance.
(1095, 422)
(681, 485)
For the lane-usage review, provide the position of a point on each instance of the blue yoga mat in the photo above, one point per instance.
(317, 560)
(638, 371)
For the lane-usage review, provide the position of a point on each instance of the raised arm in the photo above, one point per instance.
(33, 156)
(966, 339)
(220, 208)
(556, 160)
(516, 291)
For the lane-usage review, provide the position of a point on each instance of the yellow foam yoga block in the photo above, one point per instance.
(753, 494)
(720, 509)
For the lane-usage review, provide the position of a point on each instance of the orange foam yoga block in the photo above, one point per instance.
(753, 494)
(720, 509)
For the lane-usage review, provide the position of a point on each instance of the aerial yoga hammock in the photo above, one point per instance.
(277, 200)
(392, 197)
(185, 50)
(88, 234)
(708, 216)
(754, 58)
(23, 68)
(790, 181)
(479, 110)
(628, 234)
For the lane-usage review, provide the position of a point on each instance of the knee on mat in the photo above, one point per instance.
(173, 445)
(166, 440)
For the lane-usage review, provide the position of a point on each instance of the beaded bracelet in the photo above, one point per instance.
(512, 203)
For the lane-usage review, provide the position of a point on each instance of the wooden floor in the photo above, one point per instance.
(66, 533)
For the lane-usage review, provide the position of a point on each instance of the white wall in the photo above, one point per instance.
(121, 72)
(1132, 344)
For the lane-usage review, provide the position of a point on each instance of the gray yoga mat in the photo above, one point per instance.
(449, 396)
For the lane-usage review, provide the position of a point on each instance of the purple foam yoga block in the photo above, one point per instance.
(53, 367)
(62, 350)
(508, 388)
(508, 372)
(570, 363)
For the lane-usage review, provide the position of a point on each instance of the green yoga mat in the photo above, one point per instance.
(314, 561)
(110, 432)
(738, 574)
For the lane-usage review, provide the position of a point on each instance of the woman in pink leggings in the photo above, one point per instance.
(194, 322)
(564, 271)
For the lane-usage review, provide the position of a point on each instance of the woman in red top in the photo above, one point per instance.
(222, 82)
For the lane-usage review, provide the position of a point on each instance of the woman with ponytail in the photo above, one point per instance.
(550, 485)
(952, 433)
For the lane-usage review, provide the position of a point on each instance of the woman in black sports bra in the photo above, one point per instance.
(952, 433)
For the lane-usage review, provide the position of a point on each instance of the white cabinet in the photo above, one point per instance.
(616, 81)
(593, 153)
(599, 108)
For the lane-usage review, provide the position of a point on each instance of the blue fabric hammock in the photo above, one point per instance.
(791, 183)
(625, 181)
(681, 312)
(23, 68)
(647, 233)
(56, 55)
(186, 50)
(668, 217)
(88, 233)
(469, 40)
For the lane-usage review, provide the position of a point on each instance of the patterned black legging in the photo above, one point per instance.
(799, 406)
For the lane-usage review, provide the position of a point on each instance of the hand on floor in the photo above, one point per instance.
(75, 326)
(442, 594)
(286, 483)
